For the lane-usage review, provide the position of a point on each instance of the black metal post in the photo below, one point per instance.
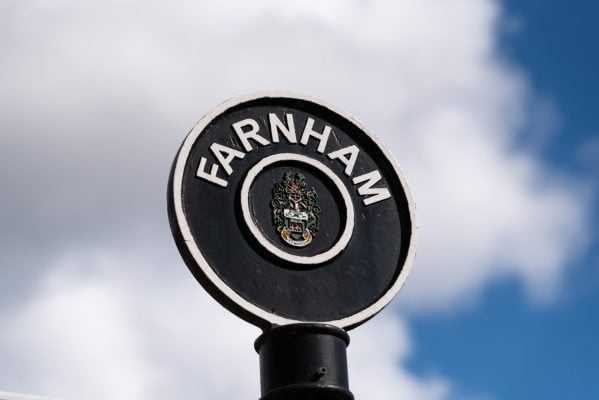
(303, 361)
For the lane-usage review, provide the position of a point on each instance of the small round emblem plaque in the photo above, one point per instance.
(287, 210)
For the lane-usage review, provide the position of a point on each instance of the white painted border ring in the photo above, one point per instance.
(247, 215)
(243, 307)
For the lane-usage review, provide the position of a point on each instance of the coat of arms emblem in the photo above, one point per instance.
(295, 212)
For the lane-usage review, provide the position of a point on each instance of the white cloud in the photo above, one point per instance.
(96, 98)
(98, 92)
(95, 335)
(375, 361)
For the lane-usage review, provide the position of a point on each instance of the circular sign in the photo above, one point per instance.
(287, 210)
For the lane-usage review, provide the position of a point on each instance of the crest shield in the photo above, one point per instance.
(295, 211)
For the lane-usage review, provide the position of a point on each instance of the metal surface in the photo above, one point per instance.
(304, 361)
(295, 217)
(339, 266)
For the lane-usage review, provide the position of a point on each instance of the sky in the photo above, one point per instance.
(488, 106)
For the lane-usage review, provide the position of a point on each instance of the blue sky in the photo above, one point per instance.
(555, 46)
(489, 107)
(505, 346)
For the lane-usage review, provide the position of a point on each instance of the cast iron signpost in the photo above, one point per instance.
(296, 218)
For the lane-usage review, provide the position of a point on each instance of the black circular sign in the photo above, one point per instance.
(287, 210)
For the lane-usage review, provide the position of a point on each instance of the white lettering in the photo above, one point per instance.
(376, 194)
(323, 136)
(252, 133)
(277, 125)
(230, 154)
(210, 177)
(348, 161)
